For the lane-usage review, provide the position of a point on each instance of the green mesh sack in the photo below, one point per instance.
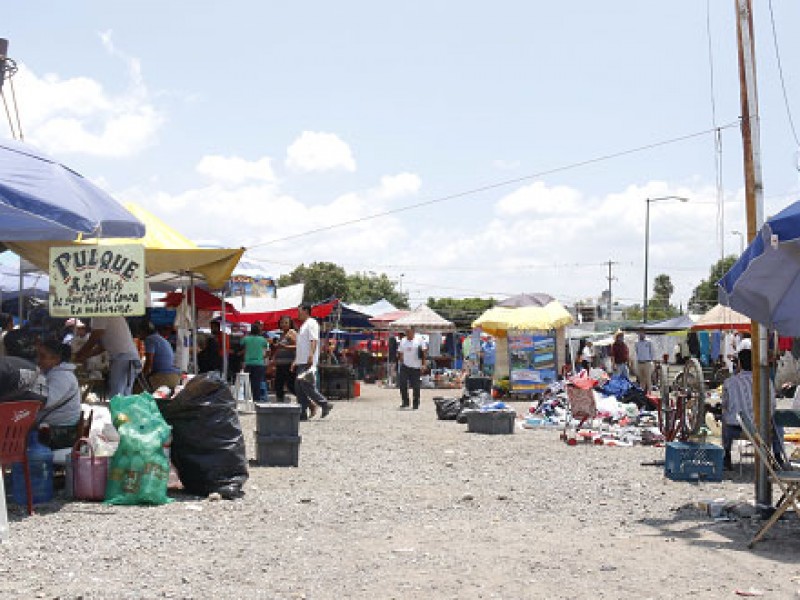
(139, 471)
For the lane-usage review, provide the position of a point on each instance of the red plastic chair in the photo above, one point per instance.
(16, 420)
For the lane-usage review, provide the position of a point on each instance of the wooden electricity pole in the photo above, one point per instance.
(754, 205)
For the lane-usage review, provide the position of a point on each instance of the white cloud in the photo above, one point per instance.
(79, 115)
(234, 170)
(395, 186)
(319, 151)
(537, 198)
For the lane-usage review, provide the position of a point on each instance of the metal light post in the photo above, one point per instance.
(647, 244)
(741, 240)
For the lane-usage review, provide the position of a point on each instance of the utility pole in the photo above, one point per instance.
(754, 205)
(610, 278)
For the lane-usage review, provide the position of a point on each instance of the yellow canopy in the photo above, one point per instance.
(167, 252)
(498, 321)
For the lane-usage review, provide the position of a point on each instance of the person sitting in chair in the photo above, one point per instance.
(62, 410)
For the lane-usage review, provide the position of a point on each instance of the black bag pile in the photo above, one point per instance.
(19, 380)
(454, 409)
(208, 448)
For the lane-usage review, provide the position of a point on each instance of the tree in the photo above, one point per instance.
(322, 280)
(704, 297)
(658, 307)
(366, 288)
(461, 311)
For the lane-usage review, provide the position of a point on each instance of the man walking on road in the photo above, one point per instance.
(412, 355)
(305, 364)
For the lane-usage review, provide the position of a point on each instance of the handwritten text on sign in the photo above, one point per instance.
(97, 281)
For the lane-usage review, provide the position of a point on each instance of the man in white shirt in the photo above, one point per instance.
(645, 355)
(412, 356)
(114, 335)
(306, 358)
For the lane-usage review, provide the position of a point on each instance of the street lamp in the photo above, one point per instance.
(647, 243)
(741, 240)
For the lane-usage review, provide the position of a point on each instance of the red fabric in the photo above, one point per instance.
(785, 344)
(205, 300)
(270, 320)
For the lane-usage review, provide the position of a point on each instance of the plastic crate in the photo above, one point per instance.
(278, 418)
(693, 462)
(278, 451)
(477, 383)
(492, 422)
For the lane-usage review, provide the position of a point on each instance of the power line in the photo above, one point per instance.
(780, 73)
(499, 184)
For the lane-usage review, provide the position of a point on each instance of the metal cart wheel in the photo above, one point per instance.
(694, 397)
(682, 409)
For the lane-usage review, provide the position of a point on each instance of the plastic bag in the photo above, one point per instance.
(139, 471)
(208, 448)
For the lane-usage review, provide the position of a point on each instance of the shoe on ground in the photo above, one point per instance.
(403, 407)
(326, 408)
(416, 407)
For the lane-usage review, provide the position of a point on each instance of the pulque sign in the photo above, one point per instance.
(97, 281)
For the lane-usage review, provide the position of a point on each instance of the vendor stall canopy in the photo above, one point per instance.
(169, 255)
(499, 320)
(723, 317)
(424, 319)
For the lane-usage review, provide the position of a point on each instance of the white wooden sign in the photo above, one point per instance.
(97, 281)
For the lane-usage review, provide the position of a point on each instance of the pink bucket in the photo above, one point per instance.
(89, 472)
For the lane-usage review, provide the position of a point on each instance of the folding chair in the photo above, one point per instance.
(16, 420)
(788, 481)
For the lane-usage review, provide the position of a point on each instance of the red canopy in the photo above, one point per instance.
(271, 319)
(205, 300)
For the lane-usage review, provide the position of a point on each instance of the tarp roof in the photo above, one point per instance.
(679, 323)
(205, 300)
(169, 255)
(722, 317)
(375, 309)
(383, 321)
(270, 320)
(499, 320)
(290, 296)
(424, 319)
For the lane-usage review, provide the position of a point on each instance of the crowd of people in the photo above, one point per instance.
(133, 356)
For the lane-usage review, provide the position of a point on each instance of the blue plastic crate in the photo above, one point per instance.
(693, 462)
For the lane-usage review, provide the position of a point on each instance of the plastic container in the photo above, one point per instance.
(492, 422)
(40, 462)
(278, 418)
(356, 389)
(686, 461)
(278, 451)
(475, 383)
(89, 472)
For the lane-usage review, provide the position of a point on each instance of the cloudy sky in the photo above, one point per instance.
(510, 145)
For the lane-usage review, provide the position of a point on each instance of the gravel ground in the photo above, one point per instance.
(395, 504)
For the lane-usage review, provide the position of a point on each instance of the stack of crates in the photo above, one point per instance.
(277, 434)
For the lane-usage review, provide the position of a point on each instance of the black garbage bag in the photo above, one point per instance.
(447, 409)
(19, 380)
(208, 448)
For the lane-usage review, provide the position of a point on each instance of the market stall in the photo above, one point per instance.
(531, 342)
